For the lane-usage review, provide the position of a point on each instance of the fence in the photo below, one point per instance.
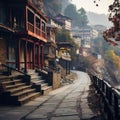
(109, 98)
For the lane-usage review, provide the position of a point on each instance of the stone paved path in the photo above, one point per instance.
(67, 103)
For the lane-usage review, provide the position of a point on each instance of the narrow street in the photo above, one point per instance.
(69, 102)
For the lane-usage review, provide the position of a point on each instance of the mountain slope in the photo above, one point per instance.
(100, 19)
(52, 7)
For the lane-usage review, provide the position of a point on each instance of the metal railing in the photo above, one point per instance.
(109, 98)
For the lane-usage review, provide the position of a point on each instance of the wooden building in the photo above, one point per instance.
(50, 47)
(64, 49)
(22, 34)
(23, 45)
(63, 21)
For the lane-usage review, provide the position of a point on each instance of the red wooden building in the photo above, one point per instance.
(22, 34)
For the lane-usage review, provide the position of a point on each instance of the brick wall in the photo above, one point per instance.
(2, 50)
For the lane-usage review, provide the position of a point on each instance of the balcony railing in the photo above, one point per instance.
(43, 34)
(30, 27)
(36, 30)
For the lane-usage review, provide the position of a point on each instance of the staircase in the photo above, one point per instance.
(15, 92)
(39, 83)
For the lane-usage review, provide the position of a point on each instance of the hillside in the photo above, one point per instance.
(54, 7)
(101, 19)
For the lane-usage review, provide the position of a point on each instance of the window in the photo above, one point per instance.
(37, 22)
(2, 14)
(30, 17)
(43, 26)
(10, 50)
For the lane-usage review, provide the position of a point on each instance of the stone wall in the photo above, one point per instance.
(2, 50)
(56, 80)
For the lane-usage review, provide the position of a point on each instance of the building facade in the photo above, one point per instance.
(63, 53)
(50, 47)
(22, 34)
(83, 38)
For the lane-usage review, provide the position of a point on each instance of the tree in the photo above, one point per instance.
(71, 12)
(83, 20)
(113, 58)
(63, 36)
(78, 17)
(52, 7)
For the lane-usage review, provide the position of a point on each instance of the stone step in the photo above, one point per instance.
(30, 72)
(44, 84)
(21, 88)
(45, 90)
(37, 81)
(17, 93)
(36, 77)
(38, 85)
(11, 82)
(28, 98)
(22, 94)
(33, 73)
(14, 86)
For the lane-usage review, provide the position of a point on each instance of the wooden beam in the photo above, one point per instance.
(25, 57)
(39, 55)
(33, 55)
(18, 56)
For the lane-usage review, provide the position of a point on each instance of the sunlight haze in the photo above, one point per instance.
(89, 5)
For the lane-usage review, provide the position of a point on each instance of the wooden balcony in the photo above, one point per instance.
(36, 32)
(30, 27)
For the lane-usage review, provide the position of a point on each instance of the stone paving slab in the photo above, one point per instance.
(12, 116)
(37, 101)
(67, 105)
(65, 111)
(74, 117)
(70, 99)
(49, 104)
(39, 114)
(71, 104)
(36, 116)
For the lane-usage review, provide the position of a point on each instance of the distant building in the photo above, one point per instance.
(56, 23)
(60, 21)
(83, 38)
(94, 33)
(99, 28)
(63, 53)
(50, 47)
(64, 20)
(77, 40)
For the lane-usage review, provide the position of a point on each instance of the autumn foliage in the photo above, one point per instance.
(113, 58)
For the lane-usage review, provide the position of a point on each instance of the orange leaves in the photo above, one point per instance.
(112, 57)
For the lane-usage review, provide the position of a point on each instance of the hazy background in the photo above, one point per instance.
(89, 5)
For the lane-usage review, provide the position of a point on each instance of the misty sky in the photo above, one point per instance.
(89, 5)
